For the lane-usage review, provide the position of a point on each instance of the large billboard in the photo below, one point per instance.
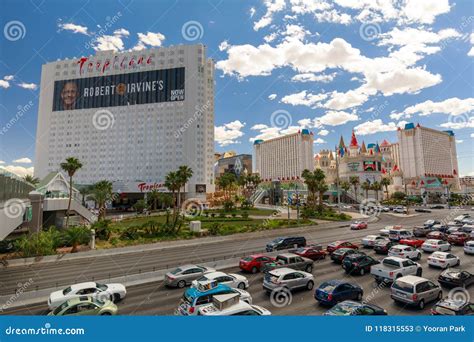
(119, 90)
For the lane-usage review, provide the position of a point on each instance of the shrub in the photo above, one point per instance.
(233, 214)
(229, 205)
(37, 244)
(76, 236)
(130, 233)
(215, 228)
(102, 229)
(213, 214)
(222, 215)
(246, 205)
(245, 214)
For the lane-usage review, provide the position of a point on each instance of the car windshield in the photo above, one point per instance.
(101, 287)
(402, 286)
(203, 278)
(390, 262)
(98, 301)
(176, 271)
(60, 308)
(444, 311)
(67, 290)
(187, 299)
(429, 222)
(247, 259)
(344, 308)
(453, 274)
(327, 287)
(300, 250)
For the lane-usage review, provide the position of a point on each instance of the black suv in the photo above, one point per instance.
(452, 307)
(358, 263)
(286, 243)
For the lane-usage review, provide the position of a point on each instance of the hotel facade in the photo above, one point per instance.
(284, 158)
(130, 118)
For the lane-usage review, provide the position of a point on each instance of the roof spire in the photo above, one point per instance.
(341, 143)
(354, 140)
(363, 149)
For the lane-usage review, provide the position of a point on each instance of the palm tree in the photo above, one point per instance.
(345, 186)
(165, 199)
(376, 186)
(366, 187)
(184, 174)
(32, 180)
(154, 196)
(354, 180)
(173, 183)
(84, 191)
(385, 182)
(70, 166)
(102, 192)
(226, 182)
(76, 236)
(316, 183)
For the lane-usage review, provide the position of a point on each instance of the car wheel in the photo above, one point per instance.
(116, 298)
(241, 286)
(418, 257)
(309, 269)
(362, 272)
(359, 296)
(421, 304)
(254, 270)
(105, 314)
(419, 272)
(398, 276)
(458, 263)
(181, 284)
(310, 285)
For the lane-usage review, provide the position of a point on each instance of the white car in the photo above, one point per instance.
(443, 260)
(403, 251)
(461, 217)
(469, 247)
(433, 245)
(114, 292)
(232, 280)
(400, 210)
(456, 229)
(231, 305)
(370, 240)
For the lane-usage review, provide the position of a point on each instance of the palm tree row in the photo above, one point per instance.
(175, 181)
(316, 183)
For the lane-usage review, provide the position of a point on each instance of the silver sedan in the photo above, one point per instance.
(184, 275)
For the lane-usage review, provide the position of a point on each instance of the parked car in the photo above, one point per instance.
(286, 243)
(231, 305)
(254, 263)
(443, 260)
(357, 225)
(461, 217)
(397, 234)
(370, 240)
(313, 252)
(85, 306)
(422, 210)
(400, 210)
(383, 246)
(403, 251)
(8, 246)
(458, 238)
(454, 277)
(421, 231)
(334, 291)
(339, 254)
(231, 280)
(351, 308)
(469, 247)
(436, 235)
(393, 268)
(440, 228)
(431, 223)
(340, 244)
(358, 263)
(433, 245)
(417, 291)
(468, 228)
(452, 307)
(184, 275)
(194, 298)
(114, 292)
(287, 278)
(411, 242)
(438, 206)
(290, 260)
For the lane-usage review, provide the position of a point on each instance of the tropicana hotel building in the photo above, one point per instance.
(130, 118)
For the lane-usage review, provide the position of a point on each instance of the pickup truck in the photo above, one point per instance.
(392, 268)
(290, 260)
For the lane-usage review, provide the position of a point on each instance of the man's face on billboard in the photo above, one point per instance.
(69, 95)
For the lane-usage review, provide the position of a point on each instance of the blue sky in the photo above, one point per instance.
(330, 66)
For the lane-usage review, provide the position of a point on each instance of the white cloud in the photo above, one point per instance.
(295, 31)
(24, 160)
(9, 78)
(273, 6)
(252, 11)
(272, 96)
(112, 42)
(73, 28)
(31, 86)
(471, 52)
(121, 32)
(270, 37)
(452, 106)
(4, 84)
(19, 170)
(468, 123)
(459, 141)
(319, 141)
(311, 77)
(303, 98)
(148, 39)
(224, 45)
(323, 132)
(352, 98)
(228, 133)
(424, 11)
(335, 118)
(375, 126)
(2, 162)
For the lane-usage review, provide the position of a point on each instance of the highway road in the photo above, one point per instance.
(155, 299)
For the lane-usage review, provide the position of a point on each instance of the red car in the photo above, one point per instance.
(458, 238)
(314, 252)
(254, 263)
(340, 244)
(356, 225)
(436, 236)
(412, 242)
